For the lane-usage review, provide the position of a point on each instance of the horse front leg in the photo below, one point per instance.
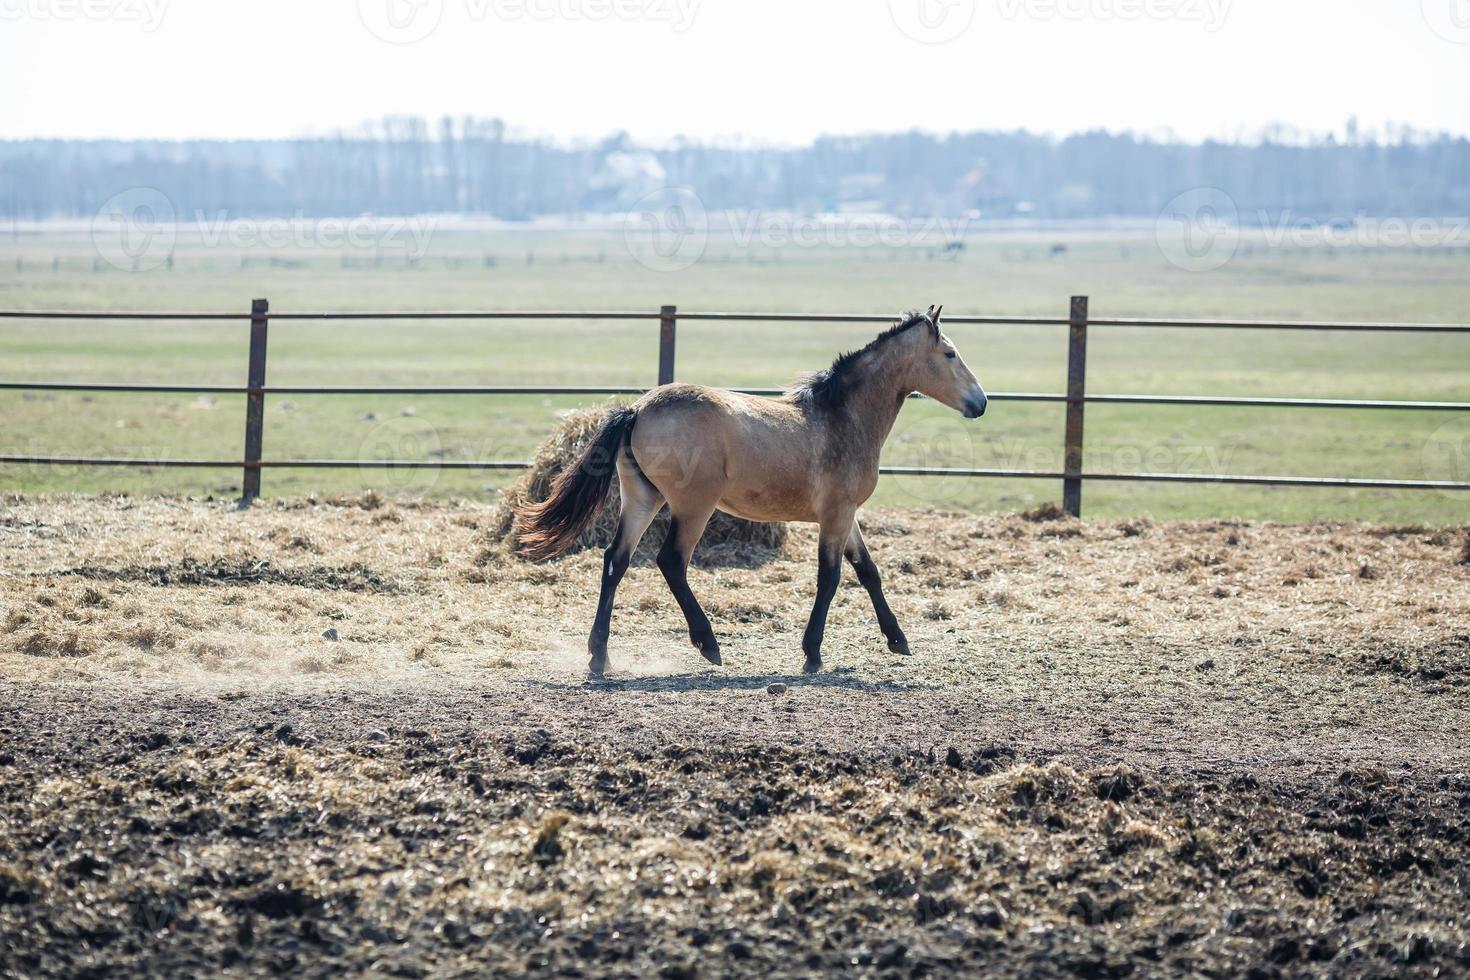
(831, 541)
(867, 573)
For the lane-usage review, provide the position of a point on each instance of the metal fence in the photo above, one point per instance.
(1072, 475)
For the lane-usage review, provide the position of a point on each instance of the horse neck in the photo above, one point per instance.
(875, 400)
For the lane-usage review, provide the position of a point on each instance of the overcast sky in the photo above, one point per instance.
(767, 71)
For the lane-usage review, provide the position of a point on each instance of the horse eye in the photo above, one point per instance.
(949, 354)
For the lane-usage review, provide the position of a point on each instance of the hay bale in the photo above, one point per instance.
(726, 538)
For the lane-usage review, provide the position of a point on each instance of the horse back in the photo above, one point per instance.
(751, 455)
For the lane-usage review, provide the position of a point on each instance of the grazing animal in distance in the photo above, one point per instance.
(810, 455)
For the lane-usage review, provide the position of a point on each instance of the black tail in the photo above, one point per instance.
(548, 528)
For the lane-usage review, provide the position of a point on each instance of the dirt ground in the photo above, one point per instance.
(1214, 749)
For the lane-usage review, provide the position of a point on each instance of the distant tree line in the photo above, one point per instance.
(475, 166)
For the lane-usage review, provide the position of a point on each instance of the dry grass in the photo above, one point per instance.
(725, 537)
(188, 591)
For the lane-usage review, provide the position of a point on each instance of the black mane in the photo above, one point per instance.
(828, 388)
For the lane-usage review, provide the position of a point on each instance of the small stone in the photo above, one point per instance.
(408, 411)
(989, 915)
(330, 633)
(776, 688)
(891, 955)
(1204, 665)
(376, 736)
(154, 741)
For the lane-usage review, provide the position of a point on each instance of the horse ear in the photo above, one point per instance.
(936, 310)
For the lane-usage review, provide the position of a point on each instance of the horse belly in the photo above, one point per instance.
(767, 500)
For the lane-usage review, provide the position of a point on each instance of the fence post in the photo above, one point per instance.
(1076, 390)
(666, 322)
(254, 402)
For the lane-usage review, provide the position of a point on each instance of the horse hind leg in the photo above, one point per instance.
(640, 504)
(686, 524)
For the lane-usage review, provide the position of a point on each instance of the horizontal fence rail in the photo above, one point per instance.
(1386, 326)
(507, 464)
(997, 396)
(1072, 475)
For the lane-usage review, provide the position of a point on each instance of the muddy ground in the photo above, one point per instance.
(1120, 749)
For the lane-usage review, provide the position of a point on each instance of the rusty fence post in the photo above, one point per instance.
(1076, 391)
(254, 402)
(666, 323)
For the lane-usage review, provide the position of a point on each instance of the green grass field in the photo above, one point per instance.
(1012, 273)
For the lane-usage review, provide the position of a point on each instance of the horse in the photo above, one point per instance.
(810, 455)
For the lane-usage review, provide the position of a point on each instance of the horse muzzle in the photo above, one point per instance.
(975, 407)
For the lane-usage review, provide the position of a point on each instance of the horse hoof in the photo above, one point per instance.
(596, 669)
(811, 666)
(709, 650)
(900, 646)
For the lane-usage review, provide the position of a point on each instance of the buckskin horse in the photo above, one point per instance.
(810, 455)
